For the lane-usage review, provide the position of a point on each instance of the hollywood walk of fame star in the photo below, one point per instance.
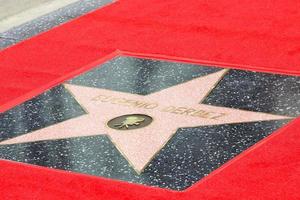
(171, 108)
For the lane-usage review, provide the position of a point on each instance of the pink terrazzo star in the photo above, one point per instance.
(171, 108)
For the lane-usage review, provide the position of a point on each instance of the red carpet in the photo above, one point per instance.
(256, 35)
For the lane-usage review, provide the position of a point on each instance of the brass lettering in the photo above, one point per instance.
(192, 112)
(125, 102)
(168, 109)
(148, 105)
(189, 111)
(219, 115)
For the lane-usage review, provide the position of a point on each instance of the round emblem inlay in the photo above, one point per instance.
(130, 122)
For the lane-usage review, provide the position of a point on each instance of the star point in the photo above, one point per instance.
(171, 108)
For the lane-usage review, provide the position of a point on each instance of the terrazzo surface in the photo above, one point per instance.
(190, 155)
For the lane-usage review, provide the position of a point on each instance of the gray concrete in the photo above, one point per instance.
(12, 7)
(16, 12)
(49, 21)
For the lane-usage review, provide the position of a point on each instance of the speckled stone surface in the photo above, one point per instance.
(192, 154)
(140, 76)
(261, 92)
(49, 21)
(189, 156)
(53, 106)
